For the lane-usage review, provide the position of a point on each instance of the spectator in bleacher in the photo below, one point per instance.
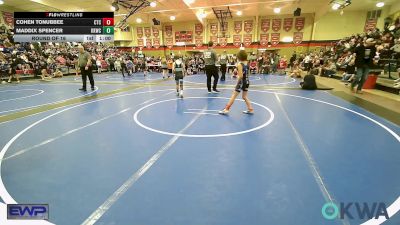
(57, 73)
(307, 62)
(117, 64)
(292, 59)
(295, 70)
(98, 65)
(16, 64)
(396, 49)
(328, 69)
(350, 71)
(274, 62)
(111, 63)
(45, 75)
(282, 65)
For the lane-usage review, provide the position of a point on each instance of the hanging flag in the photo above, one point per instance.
(168, 30)
(299, 23)
(237, 40)
(247, 39)
(214, 28)
(198, 28)
(248, 26)
(237, 27)
(156, 43)
(139, 31)
(147, 32)
(199, 41)
(264, 39)
(276, 24)
(156, 32)
(265, 24)
(140, 42)
(287, 24)
(297, 37)
(275, 38)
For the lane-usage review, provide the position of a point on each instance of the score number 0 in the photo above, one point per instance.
(108, 21)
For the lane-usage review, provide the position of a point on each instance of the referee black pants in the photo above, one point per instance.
(211, 71)
(87, 73)
(223, 71)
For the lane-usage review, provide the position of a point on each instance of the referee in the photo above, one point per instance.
(211, 69)
(85, 64)
(222, 61)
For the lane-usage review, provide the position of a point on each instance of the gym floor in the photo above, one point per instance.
(131, 152)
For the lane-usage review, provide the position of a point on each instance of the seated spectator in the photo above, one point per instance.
(296, 70)
(308, 82)
(253, 67)
(282, 65)
(58, 73)
(266, 65)
(16, 64)
(117, 64)
(350, 72)
(328, 69)
(45, 75)
(397, 82)
(98, 65)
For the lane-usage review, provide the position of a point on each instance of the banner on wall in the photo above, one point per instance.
(299, 23)
(140, 42)
(8, 18)
(276, 24)
(139, 31)
(223, 41)
(156, 32)
(237, 27)
(297, 37)
(214, 39)
(275, 38)
(147, 32)
(169, 42)
(247, 39)
(156, 42)
(168, 30)
(287, 24)
(265, 24)
(237, 40)
(198, 28)
(264, 39)
(370, 24)
(184, 36)
(214, 28)
(248, 26)
(148, 43)
(199, 41)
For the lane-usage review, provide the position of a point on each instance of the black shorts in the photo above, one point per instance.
(178, 76)
(242, 86)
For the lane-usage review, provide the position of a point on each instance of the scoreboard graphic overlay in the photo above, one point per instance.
(63, 26)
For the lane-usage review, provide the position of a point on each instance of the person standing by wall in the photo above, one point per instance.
(85, 65)
(211, 69)
(223, 59)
